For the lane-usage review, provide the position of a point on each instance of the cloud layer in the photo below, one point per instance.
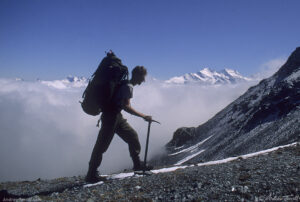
(45, 133)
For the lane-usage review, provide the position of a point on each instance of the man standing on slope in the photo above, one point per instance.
(113, 122)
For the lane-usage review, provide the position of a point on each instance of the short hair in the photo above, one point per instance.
(139, 70)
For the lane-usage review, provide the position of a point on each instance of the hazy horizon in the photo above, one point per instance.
(45, 133)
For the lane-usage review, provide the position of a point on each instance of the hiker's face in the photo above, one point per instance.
(139, 78)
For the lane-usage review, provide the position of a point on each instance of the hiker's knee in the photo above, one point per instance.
(134, 140)
(103, 148)
(102, 144)
(135, 144)
(100, 148)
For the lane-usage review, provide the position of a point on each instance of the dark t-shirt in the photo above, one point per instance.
(124, 93)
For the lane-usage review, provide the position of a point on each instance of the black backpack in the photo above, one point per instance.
(103, 83)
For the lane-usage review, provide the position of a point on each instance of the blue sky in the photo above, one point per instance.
(50, 39)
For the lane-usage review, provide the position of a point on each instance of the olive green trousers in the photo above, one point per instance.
(112, 123)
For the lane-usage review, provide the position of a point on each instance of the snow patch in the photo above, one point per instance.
(121, 175)
(189, 157)
(191, 148)
(91, 185)
(170, 169)
(245, 156)
(293, 77)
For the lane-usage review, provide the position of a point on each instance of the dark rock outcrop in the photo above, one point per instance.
(182, 136)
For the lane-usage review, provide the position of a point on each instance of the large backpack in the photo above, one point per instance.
(103, 83)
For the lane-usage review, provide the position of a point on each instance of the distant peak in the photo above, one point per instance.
(207, 70)
(72, 78)
(68, 82)
(229, 70)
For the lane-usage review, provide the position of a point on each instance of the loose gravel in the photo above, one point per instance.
(273, 176)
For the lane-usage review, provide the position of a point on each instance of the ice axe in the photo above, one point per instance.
(147, 142)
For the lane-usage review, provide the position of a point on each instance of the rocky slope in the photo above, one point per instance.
(269, 176)
(267, 115)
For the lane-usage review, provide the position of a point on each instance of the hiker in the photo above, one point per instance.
(113, 122)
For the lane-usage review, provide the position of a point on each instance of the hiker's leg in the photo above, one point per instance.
(106, 133)
(130, 136)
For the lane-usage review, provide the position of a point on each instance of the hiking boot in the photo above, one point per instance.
(94, 177)
(141, 167)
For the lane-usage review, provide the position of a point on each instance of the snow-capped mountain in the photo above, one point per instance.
(209, 77)
(203, 77)
(69, 82)
(267, 115)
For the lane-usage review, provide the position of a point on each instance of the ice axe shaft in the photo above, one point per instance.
(147, 143)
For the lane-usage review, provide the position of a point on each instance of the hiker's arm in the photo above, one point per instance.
(128, 108)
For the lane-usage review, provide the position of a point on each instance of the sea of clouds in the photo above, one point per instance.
(45, 133)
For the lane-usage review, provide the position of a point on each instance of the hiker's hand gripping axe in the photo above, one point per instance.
(147, 142)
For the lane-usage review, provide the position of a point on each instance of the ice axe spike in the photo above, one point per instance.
(147, 143)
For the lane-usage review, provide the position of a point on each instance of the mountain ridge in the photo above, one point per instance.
(267, 115)
(208, 76)
(205, 76)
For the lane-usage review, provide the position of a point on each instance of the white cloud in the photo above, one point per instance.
(45, 133)
(268, 68)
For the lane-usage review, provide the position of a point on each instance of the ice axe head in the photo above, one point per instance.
(154, 121)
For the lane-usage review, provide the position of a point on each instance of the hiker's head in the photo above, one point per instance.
(138, 75)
